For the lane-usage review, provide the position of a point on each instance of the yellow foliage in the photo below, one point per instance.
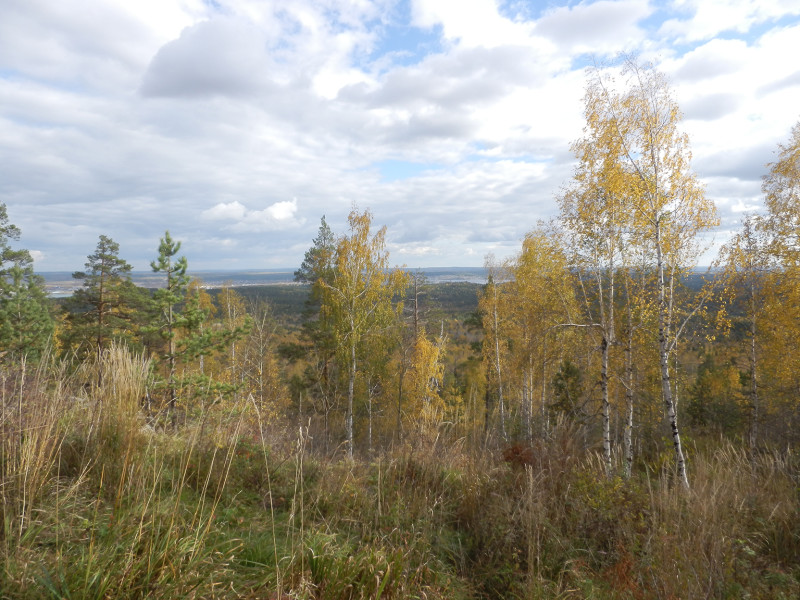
(426, 378)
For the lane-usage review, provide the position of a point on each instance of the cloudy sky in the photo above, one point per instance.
(237, 124)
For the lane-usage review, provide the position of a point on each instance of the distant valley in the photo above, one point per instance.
(60, 284)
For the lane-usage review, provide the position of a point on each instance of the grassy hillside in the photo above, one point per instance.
(101, 501)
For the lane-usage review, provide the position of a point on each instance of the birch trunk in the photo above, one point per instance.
(663, 350)
(350, 392)
(606, 406)
(628, 433)
(500, 402)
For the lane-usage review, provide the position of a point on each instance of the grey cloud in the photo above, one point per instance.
(776, 86)
(721, 186)
(413, 227)
(740, 163)
(495, 232)
(711, 107)
(718, 57)
(434, 100)
(441, 125)
(222, 56)
(461, 78)
(89, 44)
(596, 25)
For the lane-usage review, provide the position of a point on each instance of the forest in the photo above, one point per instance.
(601, 419)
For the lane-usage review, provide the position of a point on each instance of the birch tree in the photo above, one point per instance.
(234, 315)
(261, 367)
(665, 202)
(495, 339)
(358, 299)
(426, 379)
(746, 274)
(594, 212)
(536, 301)
(781, 188)
(781, 226)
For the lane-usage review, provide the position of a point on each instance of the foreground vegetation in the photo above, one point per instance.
(99, 503)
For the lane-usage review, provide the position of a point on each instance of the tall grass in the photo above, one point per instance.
(95, 504)
(98, 504)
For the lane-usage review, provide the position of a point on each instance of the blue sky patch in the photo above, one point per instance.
(399, 170)
(406, 44)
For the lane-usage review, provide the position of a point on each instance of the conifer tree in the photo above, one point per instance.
(181, 323)
(167, 299)
(318, 262)
(102, 309)
(321, 377)
(26, 323)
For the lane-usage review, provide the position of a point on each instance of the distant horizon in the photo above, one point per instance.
(62, 284)
(278, 270)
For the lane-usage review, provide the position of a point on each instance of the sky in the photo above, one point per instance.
(238, 124)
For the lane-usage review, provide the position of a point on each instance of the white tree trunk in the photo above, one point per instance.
(663, 350)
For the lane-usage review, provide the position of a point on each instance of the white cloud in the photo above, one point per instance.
(713, 59)
(234, 211)
(712, 106)
(125, 118)
(470, 22)
(99, 44)
(704, 19)
(423, 250)
(282, 211)
(741, 206)
(279, 214)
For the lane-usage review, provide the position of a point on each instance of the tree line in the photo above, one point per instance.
(592, 324)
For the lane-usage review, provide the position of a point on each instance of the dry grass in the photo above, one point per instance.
(97, 504)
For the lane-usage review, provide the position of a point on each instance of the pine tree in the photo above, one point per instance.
(318, 262)
(182, 318)
(102, 310)
(166, 300)
(26, 324)
(321, 377)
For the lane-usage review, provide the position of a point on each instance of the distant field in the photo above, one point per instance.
(61, 283)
